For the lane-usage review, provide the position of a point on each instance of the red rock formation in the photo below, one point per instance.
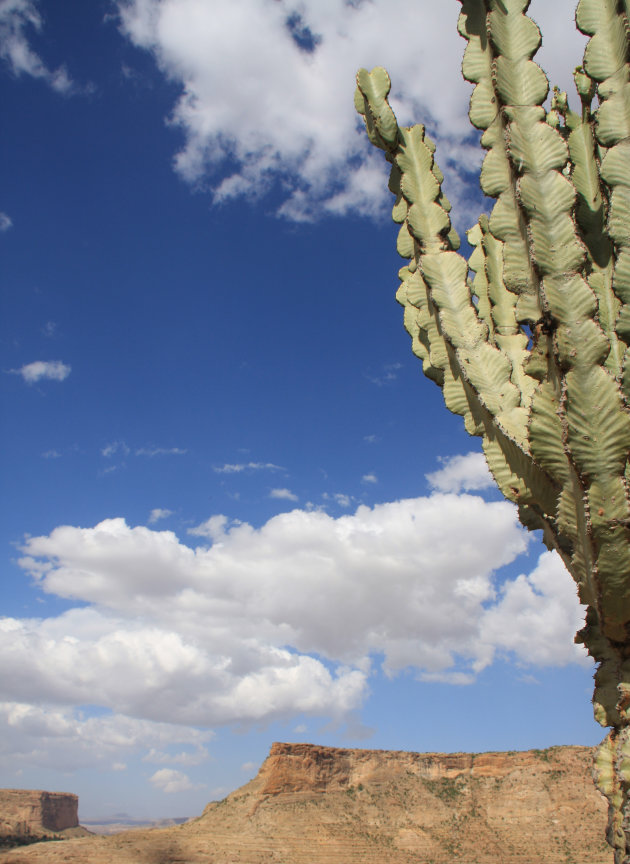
(323, 805)
(32, 813)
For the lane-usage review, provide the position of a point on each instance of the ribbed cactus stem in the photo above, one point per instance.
(530, 338)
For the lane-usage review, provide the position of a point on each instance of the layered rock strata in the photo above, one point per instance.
(322, 805)
(27, 815)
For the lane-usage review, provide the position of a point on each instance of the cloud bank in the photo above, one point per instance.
(263, 624)
(266, 91)
(19, 21)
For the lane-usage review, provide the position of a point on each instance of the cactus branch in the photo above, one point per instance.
(530, 338)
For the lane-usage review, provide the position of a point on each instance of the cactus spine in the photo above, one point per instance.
(530, 338)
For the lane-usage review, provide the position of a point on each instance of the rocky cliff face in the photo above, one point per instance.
(308, 768)
(27, 814)
(321, 805)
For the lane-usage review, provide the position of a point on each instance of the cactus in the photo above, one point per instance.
(530, 338)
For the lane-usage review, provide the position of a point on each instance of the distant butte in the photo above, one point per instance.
(324, 805)
(28, 815)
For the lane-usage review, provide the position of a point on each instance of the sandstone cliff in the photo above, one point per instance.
(27, 815)
(320, 805)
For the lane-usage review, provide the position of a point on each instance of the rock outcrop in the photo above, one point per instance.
(322, 805)
(27, 815)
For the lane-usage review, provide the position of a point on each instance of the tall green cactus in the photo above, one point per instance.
(530, 338)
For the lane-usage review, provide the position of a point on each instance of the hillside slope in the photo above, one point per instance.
(321, 805)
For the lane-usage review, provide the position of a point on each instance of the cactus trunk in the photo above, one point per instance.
(530, 338)
(611, 700)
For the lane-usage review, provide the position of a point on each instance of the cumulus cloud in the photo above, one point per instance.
(537, 598)
(269, 623)
(170, 781)
(340, 498)
(461, 473)
(369, 478)
(283, 494)
(174, 613)
(63, 738)
(159, 513)
(266, 103)
(19, 21)
(53, 370)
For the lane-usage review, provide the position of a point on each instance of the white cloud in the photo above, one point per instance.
(121, 448)
(65, 739)
(462, 473)
(282, 115)
(213, 528)
(53, 370)
(182, 603)
(389, 373)
(169, 781)
(369, 478)
(271, 622)
(540, 599)
(19, 21)
(339, 498)
(190, 758)
(284, 494)
(113, 448)
(160, 451)
(342, 500)
(5, 222)
(159, 513)
(247, 466)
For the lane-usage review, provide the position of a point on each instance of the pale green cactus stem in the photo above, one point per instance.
(530, 338)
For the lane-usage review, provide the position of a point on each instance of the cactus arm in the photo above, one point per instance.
(605, 61)
(479, 67)
(507, 102)
(591, 210)
(479, 284)
(531, 340)
(578, 432)
(591, 215)
(496, 306)
(421, 315)
(594, 416)
(446, 330)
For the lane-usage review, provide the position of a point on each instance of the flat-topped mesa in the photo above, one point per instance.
(292, 768)
(36, 813)
(340, 806)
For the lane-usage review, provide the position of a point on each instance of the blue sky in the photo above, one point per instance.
(235, 510)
